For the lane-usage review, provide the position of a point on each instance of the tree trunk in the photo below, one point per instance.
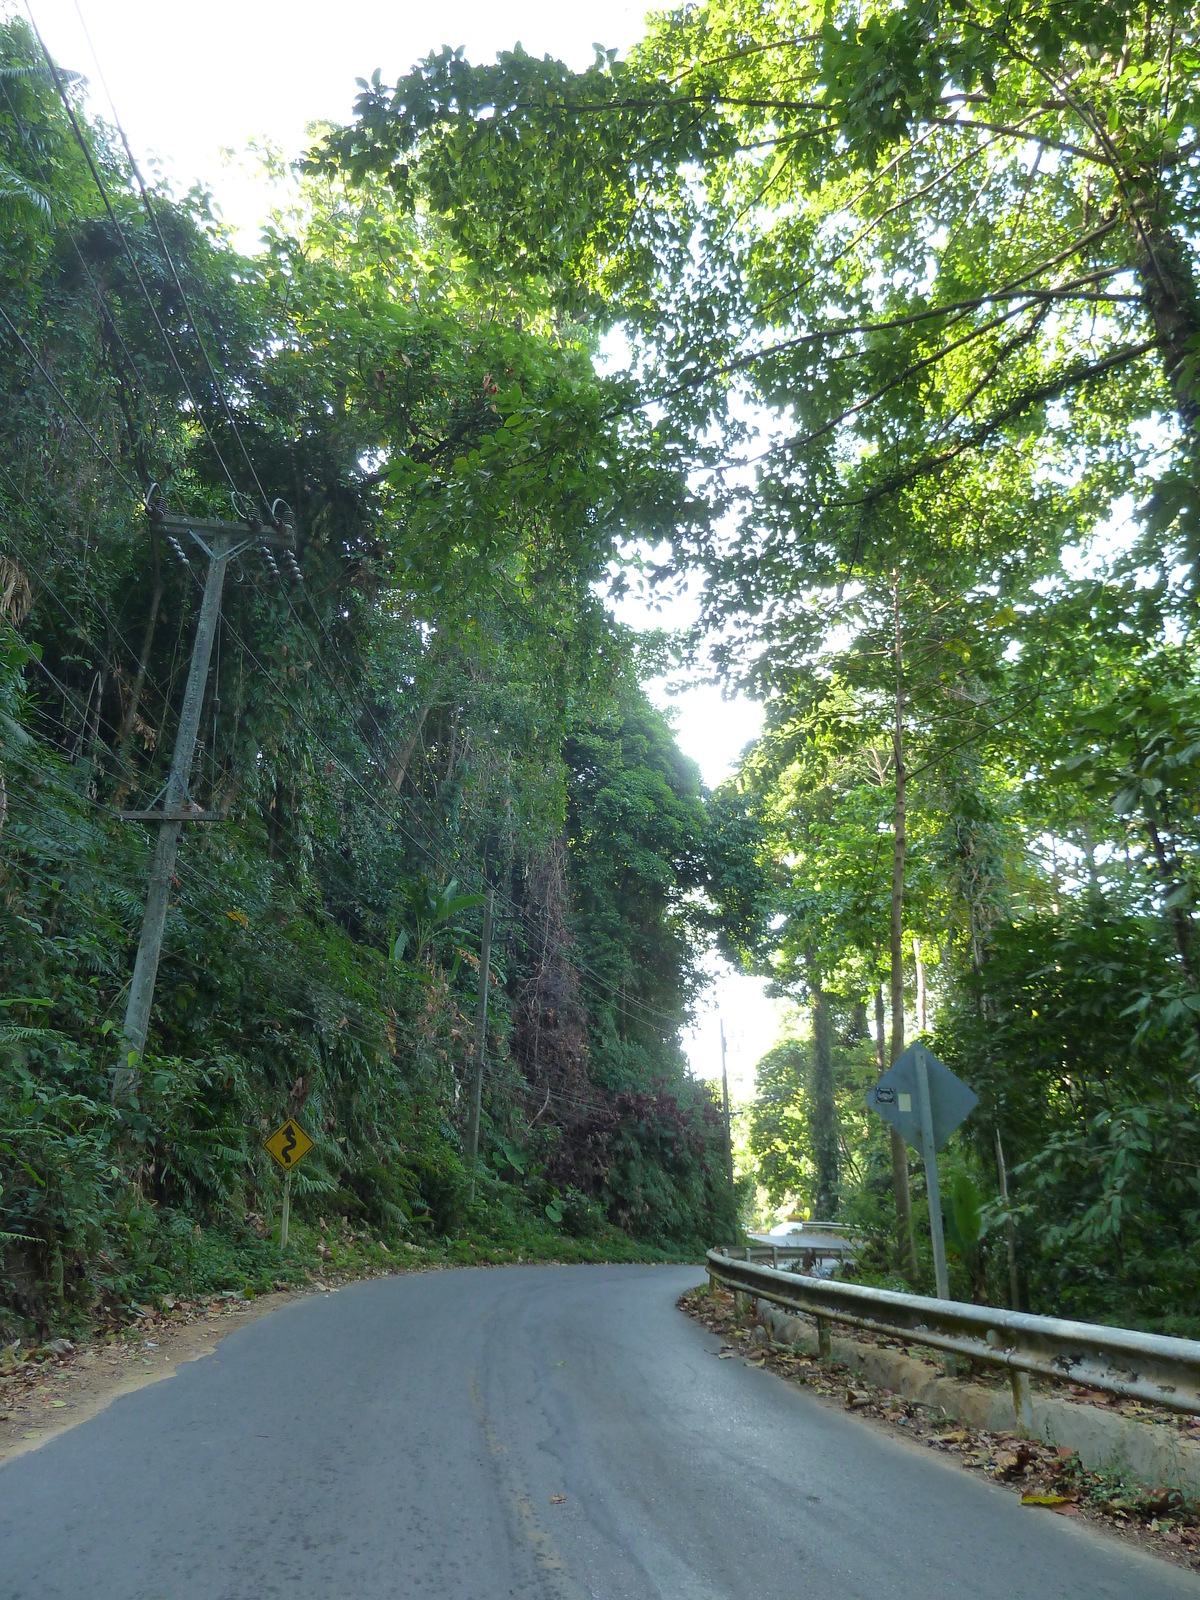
(1181, 923)
(1010, 1231)
(824, 1105)
(880, 1031)
(922, 991)
(139, 681)
(904, 1227)
(399, 760)
(1169, 293)
(858, 1027)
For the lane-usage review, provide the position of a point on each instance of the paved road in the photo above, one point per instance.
(407, 1437)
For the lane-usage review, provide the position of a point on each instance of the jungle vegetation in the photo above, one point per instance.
(426, 697)
(916, 285)
(908, 305)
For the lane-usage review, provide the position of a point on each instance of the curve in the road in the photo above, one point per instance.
(553, 1432)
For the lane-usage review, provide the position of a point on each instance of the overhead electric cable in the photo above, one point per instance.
(78, 420)
(46, 177)
(124, 243)
(150, 212)
(517, 911)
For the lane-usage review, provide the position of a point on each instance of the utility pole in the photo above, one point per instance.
(219, 541)
(728, 1135)
(485, 968)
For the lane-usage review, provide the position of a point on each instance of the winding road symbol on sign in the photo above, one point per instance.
(288, 1145)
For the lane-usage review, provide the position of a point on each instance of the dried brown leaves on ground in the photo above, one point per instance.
(1048, 1477)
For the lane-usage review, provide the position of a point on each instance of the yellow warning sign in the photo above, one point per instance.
(288, 1145)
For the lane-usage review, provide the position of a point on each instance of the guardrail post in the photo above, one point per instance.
(1022, 1401)
(739, 1305)
(824, 1340)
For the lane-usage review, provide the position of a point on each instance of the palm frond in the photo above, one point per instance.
(13, 187)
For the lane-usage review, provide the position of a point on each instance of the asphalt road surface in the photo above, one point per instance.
(412, 1437)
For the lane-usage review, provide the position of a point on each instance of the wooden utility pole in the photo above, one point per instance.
(481, 1009)
(728, 1133)
(219, 541)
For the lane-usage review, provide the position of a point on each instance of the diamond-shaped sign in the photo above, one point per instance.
(288, 1145)
(896, 1097)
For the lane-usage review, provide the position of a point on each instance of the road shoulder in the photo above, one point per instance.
(1050, 1479)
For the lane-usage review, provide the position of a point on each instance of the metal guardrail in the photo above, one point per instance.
(1139, 1366)
(819, 1249)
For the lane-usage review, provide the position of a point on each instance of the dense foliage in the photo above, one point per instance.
(910, 301)
(425, 696)
(916, 289)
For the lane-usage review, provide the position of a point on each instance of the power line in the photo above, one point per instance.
(636, 1006)
(47, 179)
(32, 354)
(67, 556)
(150, 212)
(124, 243)
(192, 876)
(599, 986)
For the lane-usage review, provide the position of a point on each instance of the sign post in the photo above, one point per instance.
(287, 1148)
(942, 1103)
(933, 1187)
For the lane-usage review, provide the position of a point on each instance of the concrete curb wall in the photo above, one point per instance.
(1151, 1451)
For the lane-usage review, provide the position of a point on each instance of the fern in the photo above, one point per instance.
(16, 191)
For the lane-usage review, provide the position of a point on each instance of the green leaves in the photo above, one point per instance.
(16, 191)
(428, 914)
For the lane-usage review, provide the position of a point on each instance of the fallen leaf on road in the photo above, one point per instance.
(960, 1436)
(558, 1499)
(727, 1352)
(1052, 1500)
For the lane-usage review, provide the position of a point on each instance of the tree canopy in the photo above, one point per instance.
(914, 292)
(883, 321)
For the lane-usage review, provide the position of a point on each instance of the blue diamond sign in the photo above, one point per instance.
(896, 1097)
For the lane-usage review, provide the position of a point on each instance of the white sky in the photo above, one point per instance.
(193, 82)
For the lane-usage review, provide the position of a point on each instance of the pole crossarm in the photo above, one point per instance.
(1139, 1366)
(185, 815)
(204, 530)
